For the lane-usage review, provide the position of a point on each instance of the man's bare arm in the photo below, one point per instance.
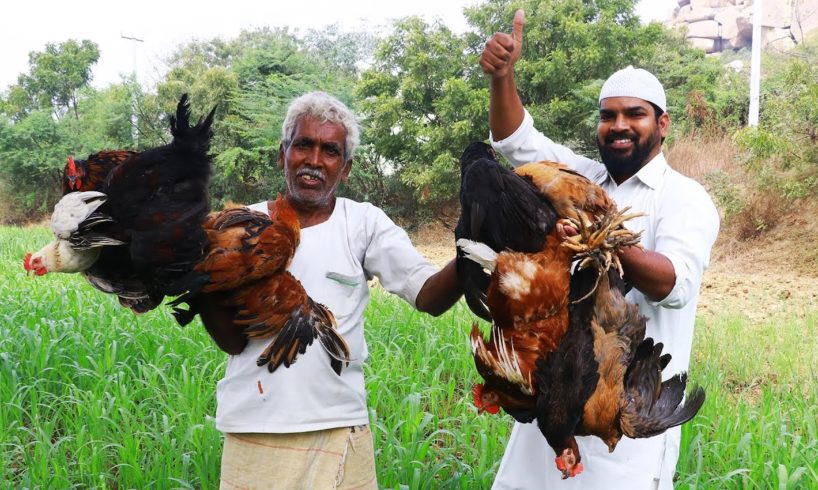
(648, 271)
(218, 322)
(440, 292)
(502, 50)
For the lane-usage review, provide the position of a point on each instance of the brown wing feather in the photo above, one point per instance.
(528, 300)
(245, 246)
(279, 307)
(571, 194)
(247, 257)
(601, 413)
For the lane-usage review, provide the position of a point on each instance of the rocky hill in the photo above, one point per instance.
(719, 25)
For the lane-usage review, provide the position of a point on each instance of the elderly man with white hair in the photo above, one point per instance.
(678, 231)
(304, 426)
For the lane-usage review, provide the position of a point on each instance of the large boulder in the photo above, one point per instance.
(804, 19)
(736, 28)
(699, 15)
(698, 4)
(776, 14)
(729, 23)
(708, 45)
(704, 28)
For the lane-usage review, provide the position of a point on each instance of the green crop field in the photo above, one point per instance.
(92, 396)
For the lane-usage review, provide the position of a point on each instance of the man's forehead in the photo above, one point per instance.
(311, 126)
(623, 103)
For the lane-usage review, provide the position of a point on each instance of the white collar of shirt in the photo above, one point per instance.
(651, 174)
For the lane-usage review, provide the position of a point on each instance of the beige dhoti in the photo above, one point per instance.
(340, 459)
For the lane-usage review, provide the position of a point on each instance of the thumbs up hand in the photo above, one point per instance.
(503, 50)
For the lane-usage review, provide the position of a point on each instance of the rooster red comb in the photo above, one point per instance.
(477, 391)
(71, 174)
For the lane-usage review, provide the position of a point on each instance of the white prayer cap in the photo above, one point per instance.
(634, 82)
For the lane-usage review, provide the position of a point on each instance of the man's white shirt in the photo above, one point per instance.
(681, 223)
(333, 261)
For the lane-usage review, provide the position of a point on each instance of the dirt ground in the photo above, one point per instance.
(767, 276)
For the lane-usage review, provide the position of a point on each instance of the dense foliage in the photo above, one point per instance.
(417, 87)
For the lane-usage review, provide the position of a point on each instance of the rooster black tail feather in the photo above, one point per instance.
(194, 139)
(655, 406)
(331, 340)
(184, 317)
(306, 323)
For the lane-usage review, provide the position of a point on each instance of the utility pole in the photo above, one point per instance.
(755, 65)
(134, 117)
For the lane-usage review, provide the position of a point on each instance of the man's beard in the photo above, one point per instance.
(625, 166)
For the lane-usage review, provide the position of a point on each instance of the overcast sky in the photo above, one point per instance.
(163, 25)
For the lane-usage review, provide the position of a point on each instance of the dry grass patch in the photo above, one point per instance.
(696, 157)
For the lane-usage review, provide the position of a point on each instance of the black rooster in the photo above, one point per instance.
(499, 209)
(134, 229)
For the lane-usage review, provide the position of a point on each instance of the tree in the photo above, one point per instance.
(425, 98)
(104, 122)
(782, 152)
(58, 74)
(703, 97)
(423, 102)
(339, 51)
(30, 150)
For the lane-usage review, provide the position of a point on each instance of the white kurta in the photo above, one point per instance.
(681, 224)
(333, 261)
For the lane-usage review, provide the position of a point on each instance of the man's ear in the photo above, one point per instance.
(346, 171)
(280, 159)
(664, 125)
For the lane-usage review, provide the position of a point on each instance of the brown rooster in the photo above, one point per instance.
(608, 374)
(630, 397)
(246, 260)
(567, 351)
(530, 317)
(90, 174)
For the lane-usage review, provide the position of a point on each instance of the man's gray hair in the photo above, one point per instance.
(325, 108)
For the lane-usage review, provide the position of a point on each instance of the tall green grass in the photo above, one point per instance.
(759, 425)
(94, 396)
